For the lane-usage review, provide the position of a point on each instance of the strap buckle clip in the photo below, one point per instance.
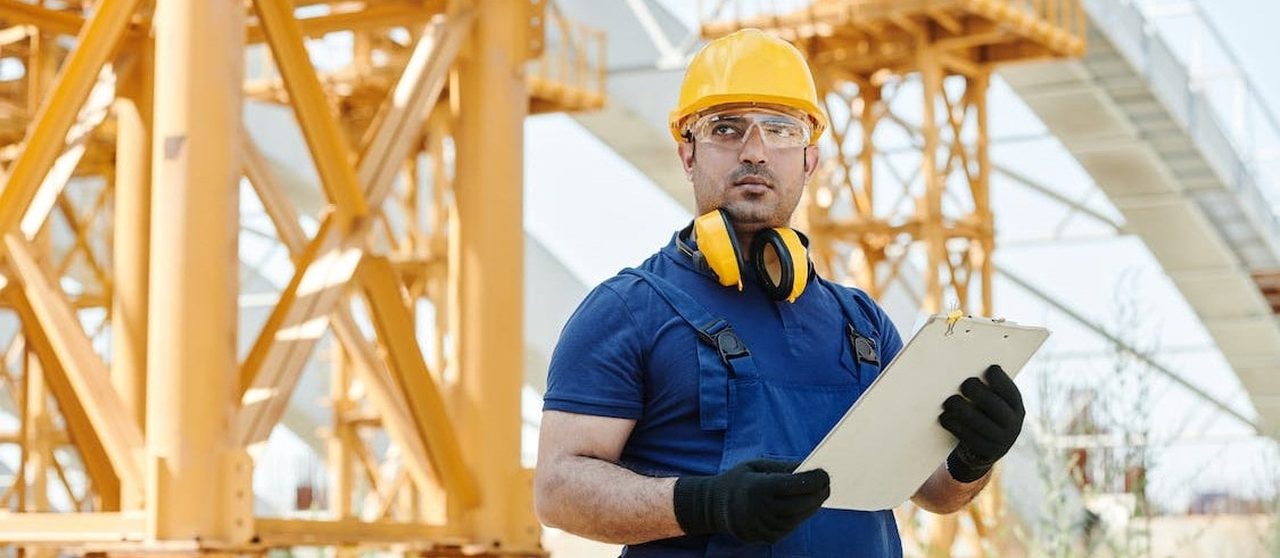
(720, 335)
(863, 347)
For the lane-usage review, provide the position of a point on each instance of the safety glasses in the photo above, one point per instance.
(730, 129)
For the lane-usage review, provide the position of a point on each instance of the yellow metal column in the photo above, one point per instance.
(38, 449)
(943, 534)
(20, 398)
(932, 231)
(197, 482)
(131, 243)
(986, 241)
(872, 255)
(340, 456)
(487, 270)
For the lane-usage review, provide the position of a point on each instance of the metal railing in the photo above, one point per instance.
(573, 56)
(1068, 15)
(1064, 14)
(1191, 67)
(1216, 73)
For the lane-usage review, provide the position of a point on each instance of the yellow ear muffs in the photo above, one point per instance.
(780, 256)
(781, 262)
(719, 247)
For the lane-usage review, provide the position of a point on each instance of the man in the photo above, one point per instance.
(683, 393)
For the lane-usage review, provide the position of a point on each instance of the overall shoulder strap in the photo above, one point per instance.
(861, 329)
(720, 354)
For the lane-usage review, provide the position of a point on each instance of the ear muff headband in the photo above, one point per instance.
(719, 247)
(781, 262)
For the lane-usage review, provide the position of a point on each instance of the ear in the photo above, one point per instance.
(810, 161)
(685, 150)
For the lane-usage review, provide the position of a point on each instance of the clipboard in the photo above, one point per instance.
(889, 442)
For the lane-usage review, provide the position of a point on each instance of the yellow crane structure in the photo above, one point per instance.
(125, 152)
(867, 220)
(863, 217)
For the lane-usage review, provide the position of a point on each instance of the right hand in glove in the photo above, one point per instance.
(756, 501)
(986, 419)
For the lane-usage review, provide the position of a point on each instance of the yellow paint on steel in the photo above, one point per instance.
(487, 270)
(54, 527)
(92, 114)
(329, 150)
(284, 216)
(74, 373)
(373, 16)
(45, 136)
(131, 241)
(299, 319)
(942, 536)
(353, 349)
(17, 12)
(339, 455)
(197, 477)
(875, 34)
(981, 189)
(395, 328)
(367, 365)
(329, 261)
(293, 532)
(569, 71)
(402, 115)
(930, 206)
(182, 320)
(389, 403)
(39, 453)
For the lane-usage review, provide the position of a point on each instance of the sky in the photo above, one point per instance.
(598, 215)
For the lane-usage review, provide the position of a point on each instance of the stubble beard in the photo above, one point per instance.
(752, 212)
(742, 209)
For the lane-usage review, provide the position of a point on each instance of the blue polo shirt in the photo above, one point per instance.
(625, 353)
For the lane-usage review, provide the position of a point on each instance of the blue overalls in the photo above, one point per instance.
(770, 419)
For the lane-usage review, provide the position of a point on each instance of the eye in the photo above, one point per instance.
(726, 130)
(782, 129)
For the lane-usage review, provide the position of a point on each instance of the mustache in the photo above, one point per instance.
(750, 170)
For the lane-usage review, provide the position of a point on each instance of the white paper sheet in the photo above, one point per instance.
(889, 441)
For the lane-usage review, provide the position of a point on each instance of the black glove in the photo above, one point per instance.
(986, 421)
(756, 501)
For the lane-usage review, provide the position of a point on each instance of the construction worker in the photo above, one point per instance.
(683, 393)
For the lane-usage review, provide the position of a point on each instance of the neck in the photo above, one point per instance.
(744, 242)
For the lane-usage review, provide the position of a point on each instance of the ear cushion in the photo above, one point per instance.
(719, 247)
(781, 263)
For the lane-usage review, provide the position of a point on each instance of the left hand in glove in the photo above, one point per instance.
(986, 418)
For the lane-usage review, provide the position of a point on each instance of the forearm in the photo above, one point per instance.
(943, 494)
(604, 501)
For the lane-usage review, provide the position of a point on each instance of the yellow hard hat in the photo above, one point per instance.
(748, 66)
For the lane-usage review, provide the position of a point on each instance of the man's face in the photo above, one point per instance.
(752, 162)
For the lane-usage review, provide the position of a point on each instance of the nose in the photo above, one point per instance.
(753, 147)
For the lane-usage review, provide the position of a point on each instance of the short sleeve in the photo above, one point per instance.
(596, 367)
(890, 340)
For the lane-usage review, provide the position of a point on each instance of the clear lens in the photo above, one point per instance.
(730, 129)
